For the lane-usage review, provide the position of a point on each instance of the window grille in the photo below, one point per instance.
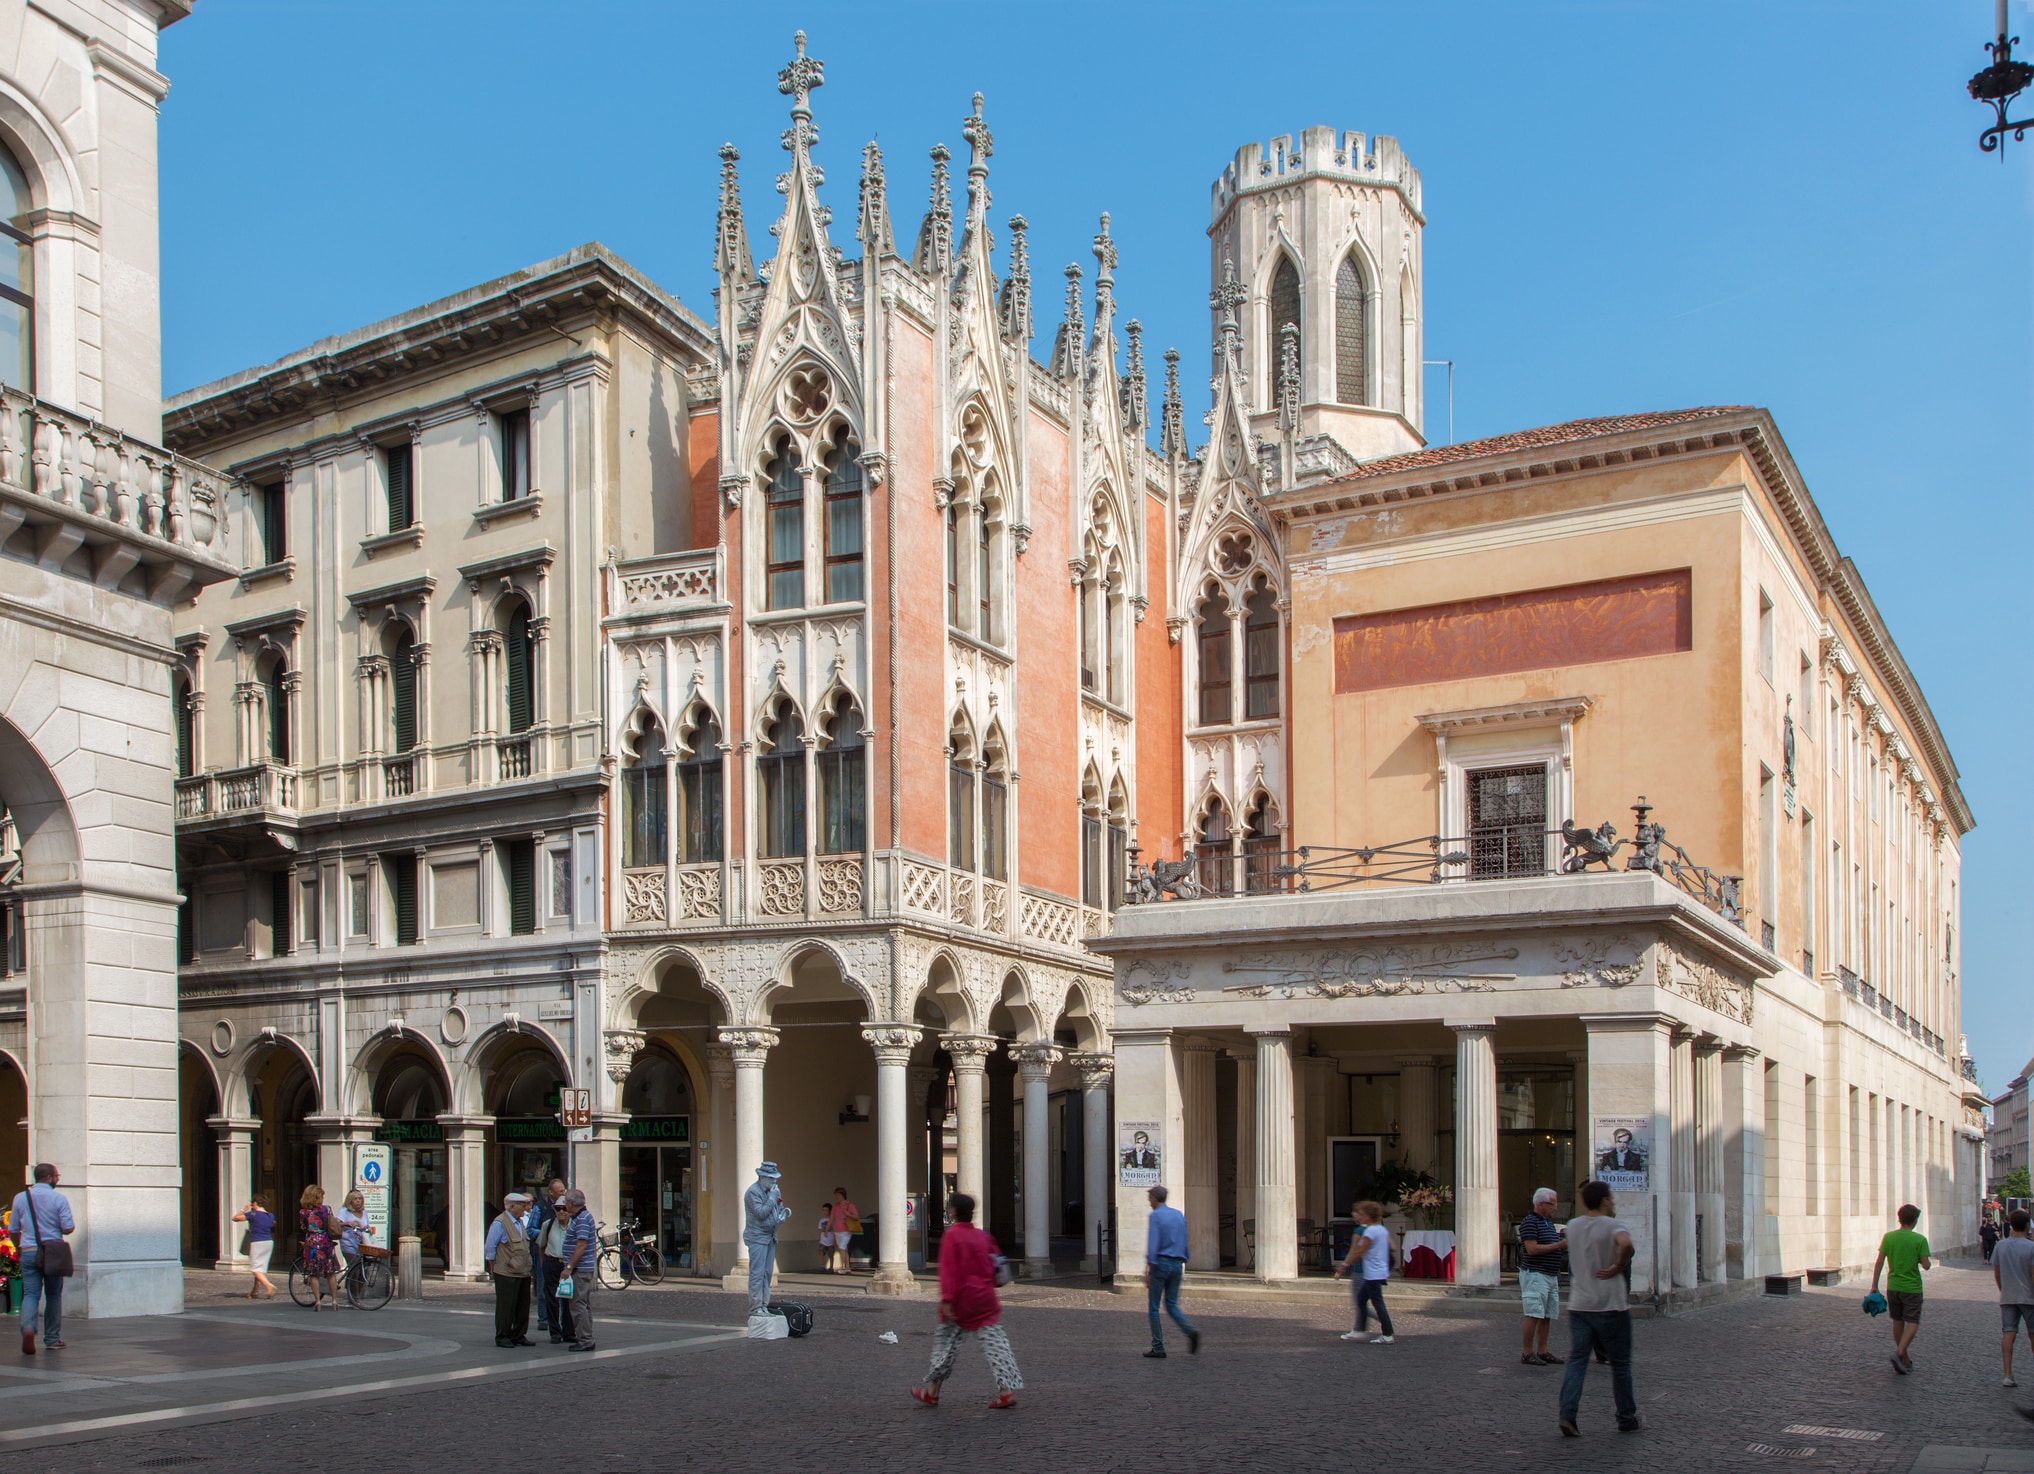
(1285, 308)
(1507, 822)
(1352, 338)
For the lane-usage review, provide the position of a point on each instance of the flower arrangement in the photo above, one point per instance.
(1426, 1202)
(10, 1257)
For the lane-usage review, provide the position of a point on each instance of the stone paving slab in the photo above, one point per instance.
(1753, 1384)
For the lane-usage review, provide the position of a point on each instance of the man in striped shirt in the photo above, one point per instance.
(1542, 1259)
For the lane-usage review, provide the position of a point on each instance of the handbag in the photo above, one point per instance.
(854, 1224)
(53, 1260)
(1002, 1267)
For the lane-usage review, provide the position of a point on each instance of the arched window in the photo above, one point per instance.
(518, 651)
(953, 604)
(996, 808)
(1090, 594)
(1114, 632)
(186, 747)
(1119, 845)
(700, 816)
(1260, 654)
(960, 796)
(1285, 308)
(843, 784)
(643, 809)
(1352, 333)
(781, 775)
(1092, 856)
(784, 509)
(984, 586)
(844, 526)
(17, 281)
(1217, 673)
(1217, 870)
(274, 698)
(402, 676)
(1260, 850)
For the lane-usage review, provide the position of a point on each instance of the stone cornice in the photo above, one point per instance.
(1511, 714)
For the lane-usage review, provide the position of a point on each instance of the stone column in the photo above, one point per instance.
(1709, 1192)
(1147, 1090)
(1311, 1074)
(718, 1165)
(1246, 1157)
(465, 1192)
(235, 1144)
(751, 1048)
(1629, 1064)
(1034, 1068)
(970, 1053)
(1096, 1069)
(892, 1044)
(1681, 1097)
(1203, 1187)
(1416, 1111)
(1476, 1235)
(1585, 1160)
(1277, 1194)
(1744, 1161)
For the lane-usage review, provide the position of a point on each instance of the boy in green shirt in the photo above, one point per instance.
(1906, 1252)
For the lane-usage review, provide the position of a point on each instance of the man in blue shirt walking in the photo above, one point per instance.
(1165, 1258)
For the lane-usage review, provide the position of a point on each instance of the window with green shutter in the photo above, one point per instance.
(521, 712)
(401, 504)
(279, 913)
(520, 860)
(402, 884)
(183, 714)
(402, 662)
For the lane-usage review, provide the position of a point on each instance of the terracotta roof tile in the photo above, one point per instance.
(1562, 434)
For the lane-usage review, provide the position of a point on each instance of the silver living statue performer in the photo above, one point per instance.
(764, 1214)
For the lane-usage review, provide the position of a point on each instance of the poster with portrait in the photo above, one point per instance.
(1139, 1145)
(1621, 1153)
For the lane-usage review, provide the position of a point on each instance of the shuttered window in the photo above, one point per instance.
(396, 475)
(519, 859)
(277, 701)
(402, 885)
(403, 679)
(521, 712)
(184, 747)
(274, 529)
(515, 454)
(187, 932)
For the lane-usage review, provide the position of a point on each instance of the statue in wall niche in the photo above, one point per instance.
(1787, 742)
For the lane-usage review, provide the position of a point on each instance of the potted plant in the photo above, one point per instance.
(10, 1267)
(1427, 1202)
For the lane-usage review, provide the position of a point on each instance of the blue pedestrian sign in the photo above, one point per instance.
(370, 1173)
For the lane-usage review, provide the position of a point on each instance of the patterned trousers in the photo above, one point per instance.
(946, 1339)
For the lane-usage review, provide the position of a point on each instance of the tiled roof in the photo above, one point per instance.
(1562, 434)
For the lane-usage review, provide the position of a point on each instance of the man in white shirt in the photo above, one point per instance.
(41, 1215)
(1599, 1317)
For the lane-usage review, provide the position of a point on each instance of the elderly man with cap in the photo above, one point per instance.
(507, 1253)
(763, 1214)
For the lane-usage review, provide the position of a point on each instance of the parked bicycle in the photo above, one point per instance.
(369, 1280)
(628, 1255)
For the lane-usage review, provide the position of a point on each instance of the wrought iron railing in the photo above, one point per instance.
(1437, 859)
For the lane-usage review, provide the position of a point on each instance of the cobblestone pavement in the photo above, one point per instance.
(1731, 1387)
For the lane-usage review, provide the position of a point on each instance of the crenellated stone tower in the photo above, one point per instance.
(1324, 236)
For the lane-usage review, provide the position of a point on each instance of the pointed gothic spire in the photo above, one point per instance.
(935, 236)
(1134, 406)
(1226, 299)
(1172, 424)
(873, 228)
(1017, 290)
(797, 82)
(1068, 347)
(731, 250)
(1105, 279)
(980, 146)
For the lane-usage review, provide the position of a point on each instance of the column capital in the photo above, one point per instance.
(1635, 1022)
(1738, 1053)
(1682, 1034)
(1474, 1026)
(1707, 1044)
(230, 1125)
(1271, 1031)
(891, 1042)
(623, 1045)
(1415, 1061)
(969, 1052)
(1096, 1067)
(463, 1129)
(1035, 1061)
(1200, 1044)
(749, 1046)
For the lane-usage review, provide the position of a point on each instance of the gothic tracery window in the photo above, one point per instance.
(1352, 333)
(1217, 667)
(1260, 850)
(642, 795)
(784, 536)
(960, 797)
(843, 784)
(995, 808)
(1215, 864)
(780, 774)
(701, 818)
(844, 525)
(1285, 308)
(1260, 654)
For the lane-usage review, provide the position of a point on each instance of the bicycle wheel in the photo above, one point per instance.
(609, 1268)
(370, 1283)
(301, 1289)
(649, 1266)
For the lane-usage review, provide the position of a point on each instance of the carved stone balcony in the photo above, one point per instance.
(81, 497)
(262, 798)
(668, 584)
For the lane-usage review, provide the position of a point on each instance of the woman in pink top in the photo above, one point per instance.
(967, 1302)
(847, 1222)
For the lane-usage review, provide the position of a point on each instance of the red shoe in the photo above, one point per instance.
(1004, 1399)
(28, 1343)
(927, 1395)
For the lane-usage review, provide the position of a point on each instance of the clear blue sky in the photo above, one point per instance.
(1631, 206)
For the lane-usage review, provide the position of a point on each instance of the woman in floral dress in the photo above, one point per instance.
(315, 1227)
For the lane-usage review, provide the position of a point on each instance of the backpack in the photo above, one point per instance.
(797, 1317)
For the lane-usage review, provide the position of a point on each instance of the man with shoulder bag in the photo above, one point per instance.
(42, 1218)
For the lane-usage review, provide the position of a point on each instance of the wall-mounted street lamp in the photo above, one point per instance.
(1998, 84)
